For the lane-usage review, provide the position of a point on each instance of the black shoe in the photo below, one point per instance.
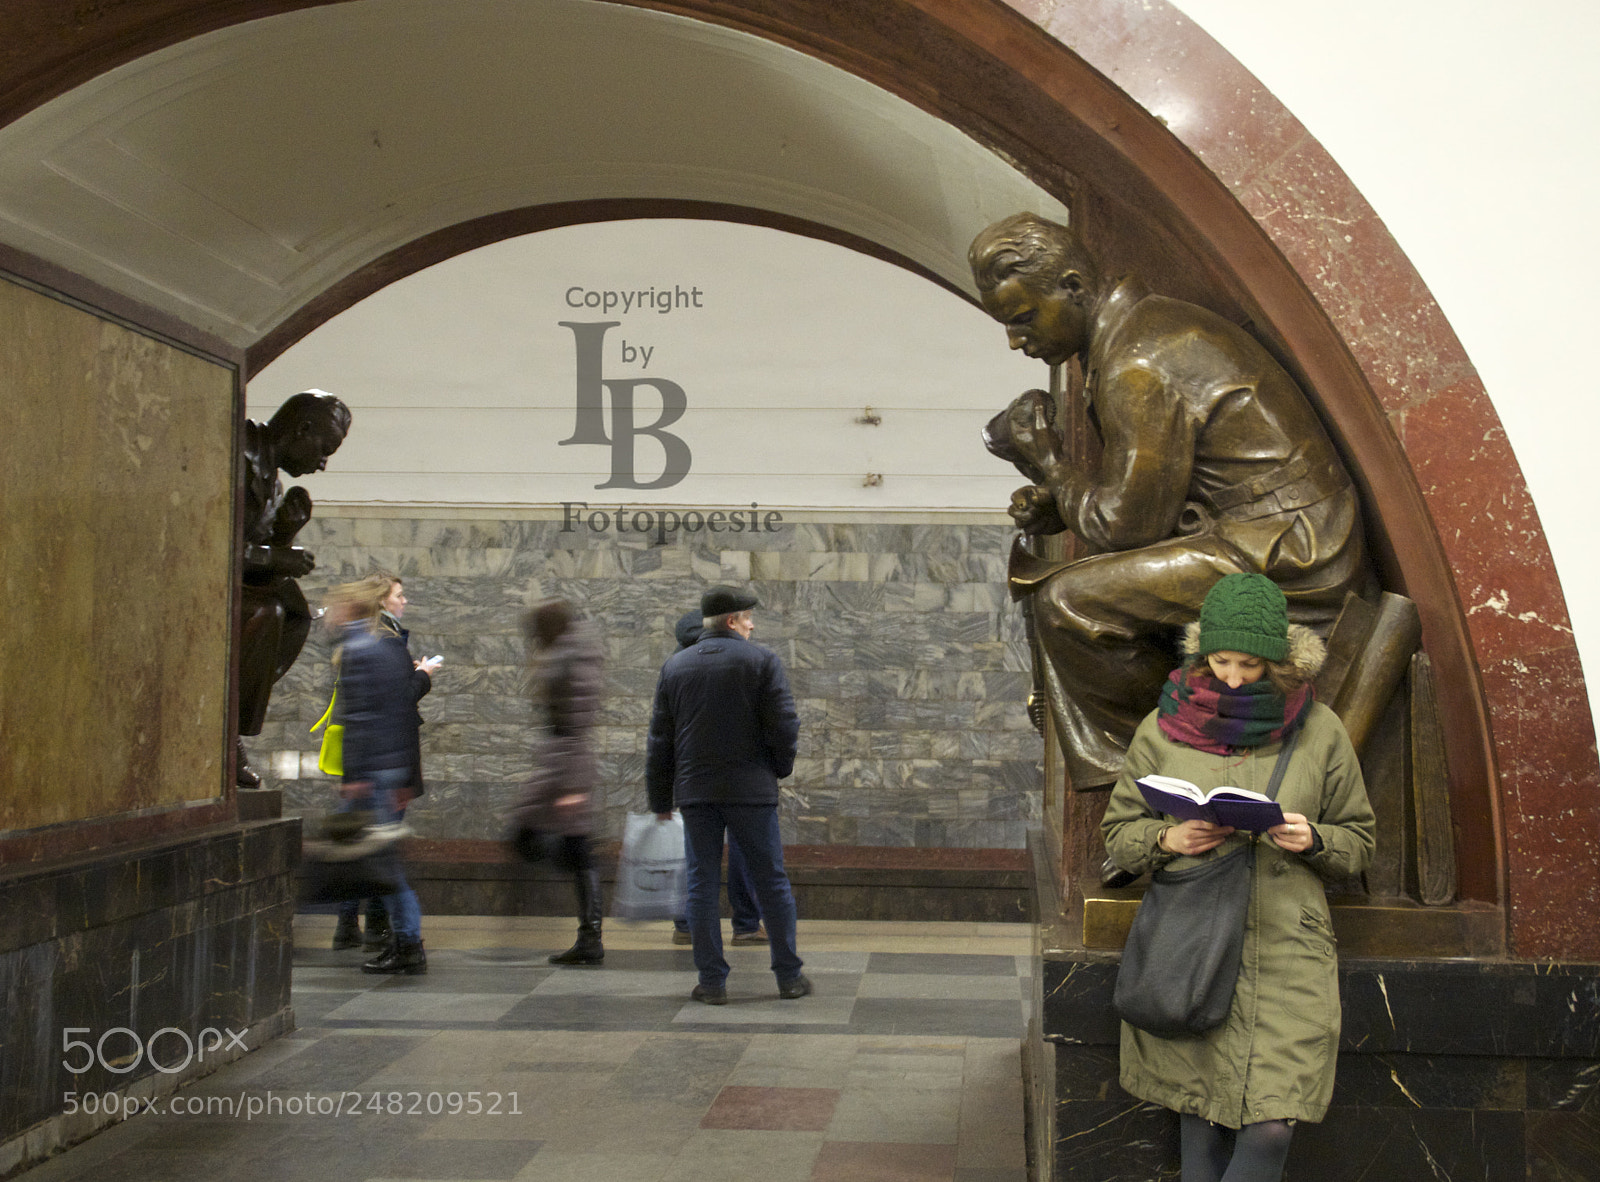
(711, 995)
(379, 933)
(588, 950)
(243, 774)
(403, 957)
(347, 934)
(799, 987)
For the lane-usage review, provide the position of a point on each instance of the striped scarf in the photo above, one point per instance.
(1201, 712)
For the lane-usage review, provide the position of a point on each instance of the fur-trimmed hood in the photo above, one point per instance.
(1306, 650)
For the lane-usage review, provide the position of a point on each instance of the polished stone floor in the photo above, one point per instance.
(902, 1067)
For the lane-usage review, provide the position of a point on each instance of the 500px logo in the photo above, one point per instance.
(139, 1049)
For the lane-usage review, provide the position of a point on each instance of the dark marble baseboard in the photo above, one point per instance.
(829, 882)
(179, 937)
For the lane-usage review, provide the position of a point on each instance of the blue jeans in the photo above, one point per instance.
(741, 897)
(753, 828)
(405, 914)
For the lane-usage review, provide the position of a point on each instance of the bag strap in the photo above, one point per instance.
(328, 713)
(1278, 768)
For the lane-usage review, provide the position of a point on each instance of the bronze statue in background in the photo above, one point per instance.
(1212, 463)
(275, 619)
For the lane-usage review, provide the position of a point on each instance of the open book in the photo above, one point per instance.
(1238, 807)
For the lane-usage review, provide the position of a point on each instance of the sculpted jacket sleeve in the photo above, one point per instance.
(1144, 468)
(660, 760)
(780, 724)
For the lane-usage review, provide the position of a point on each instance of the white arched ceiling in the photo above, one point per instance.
(231, 178)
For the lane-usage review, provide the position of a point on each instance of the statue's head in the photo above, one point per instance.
(307, 429)
(1036, 279)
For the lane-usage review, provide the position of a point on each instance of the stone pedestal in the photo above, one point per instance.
(172, 956)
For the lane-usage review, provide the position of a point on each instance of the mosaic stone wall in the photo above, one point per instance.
(908, 664)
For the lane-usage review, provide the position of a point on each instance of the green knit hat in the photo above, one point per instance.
(1245, 614)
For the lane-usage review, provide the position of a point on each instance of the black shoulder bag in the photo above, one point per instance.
(1181, 962)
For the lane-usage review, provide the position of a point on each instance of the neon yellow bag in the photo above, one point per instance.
(330, 760)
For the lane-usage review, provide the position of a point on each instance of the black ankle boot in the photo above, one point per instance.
(347, 934)
(588, 949)
(244, 775)
(379, 934)
(403, 956)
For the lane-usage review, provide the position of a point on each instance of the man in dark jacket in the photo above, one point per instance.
(722, 734)
(747, 927)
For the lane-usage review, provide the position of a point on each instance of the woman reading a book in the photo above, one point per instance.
(1222, 720)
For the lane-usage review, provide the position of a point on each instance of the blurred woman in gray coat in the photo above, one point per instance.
(556, 816)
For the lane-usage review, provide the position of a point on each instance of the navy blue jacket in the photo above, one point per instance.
(724, 727)
(377, 702)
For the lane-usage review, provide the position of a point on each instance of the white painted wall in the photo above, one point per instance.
(463, 383)
(1470, 127)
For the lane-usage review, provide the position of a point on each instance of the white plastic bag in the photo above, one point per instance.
(652, 878)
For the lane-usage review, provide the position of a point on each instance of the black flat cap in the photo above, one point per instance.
(720, 601)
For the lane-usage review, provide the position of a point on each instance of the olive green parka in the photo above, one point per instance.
(1274, 1056)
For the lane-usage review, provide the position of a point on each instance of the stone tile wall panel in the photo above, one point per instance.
(908, 664)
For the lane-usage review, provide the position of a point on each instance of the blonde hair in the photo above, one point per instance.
(360, 600)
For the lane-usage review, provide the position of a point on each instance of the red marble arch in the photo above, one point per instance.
(1244, 195)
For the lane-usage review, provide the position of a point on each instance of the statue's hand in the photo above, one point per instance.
(294, 510)
(1034, 511)
(1025, 434)
(292, 561)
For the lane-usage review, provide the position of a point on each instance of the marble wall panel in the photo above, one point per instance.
(117, 470)
(906, 658)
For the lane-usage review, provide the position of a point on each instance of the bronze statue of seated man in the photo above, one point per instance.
(1212, 462)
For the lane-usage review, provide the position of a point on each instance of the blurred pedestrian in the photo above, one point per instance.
(347, 933)
(557, 811)
(379, 709)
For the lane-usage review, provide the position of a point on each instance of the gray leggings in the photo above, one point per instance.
(1212, 1153)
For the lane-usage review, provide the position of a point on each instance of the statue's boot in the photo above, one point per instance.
(245, 775)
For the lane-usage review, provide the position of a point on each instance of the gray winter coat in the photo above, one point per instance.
(565, 683)
(1274, 1056)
